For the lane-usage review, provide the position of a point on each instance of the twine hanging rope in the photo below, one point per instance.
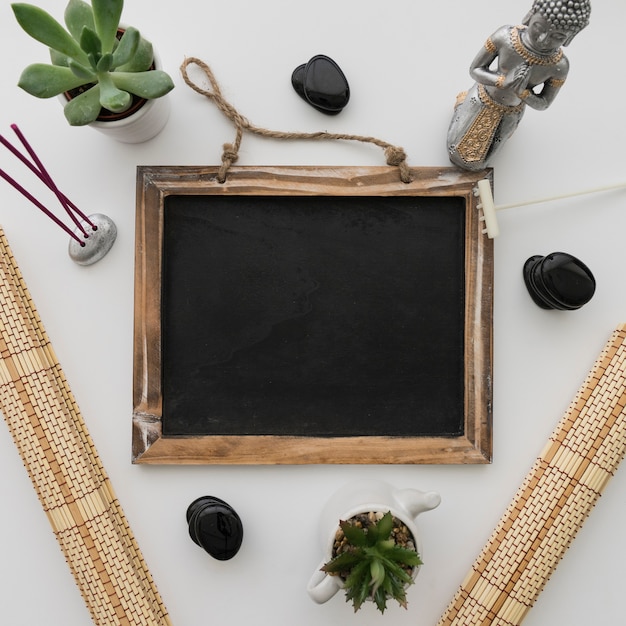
(395, 156)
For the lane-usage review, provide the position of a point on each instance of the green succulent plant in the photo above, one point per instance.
(372, 563)
(89, 57)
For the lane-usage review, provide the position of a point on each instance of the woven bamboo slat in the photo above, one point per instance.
(552, 503)
(64, 466)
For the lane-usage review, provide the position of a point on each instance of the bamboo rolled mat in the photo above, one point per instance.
(64, 466)
(552, 503)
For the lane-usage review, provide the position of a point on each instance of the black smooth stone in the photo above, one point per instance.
(297, 81)
(551, 297)
(529, 280)
(558, 281)
(215, 526)
(568, 279)
(322, 84)
(543, 293)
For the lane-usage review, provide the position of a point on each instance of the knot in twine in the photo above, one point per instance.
(394, 155)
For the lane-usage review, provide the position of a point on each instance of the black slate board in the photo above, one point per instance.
(324, 316)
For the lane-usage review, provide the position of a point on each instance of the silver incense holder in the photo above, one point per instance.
(97, 243)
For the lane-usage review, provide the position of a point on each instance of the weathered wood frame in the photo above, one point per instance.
(149, 445)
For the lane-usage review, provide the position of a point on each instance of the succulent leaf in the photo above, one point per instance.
(105, 63)
(126, 48)
(380, 598)
(85, 108)
(41, 26)
(111, 97)
(107, 14)
(355, 535)
(142, 60)
(45, 81)
(372, 535)
(78, 15)
(388, 588)
(80, 71)
(58, 58)
(399, 554)
(93, 61)
(343, 562)
(377, 574)
(396, 571)
(149, 85)
(91, 44)
(357, 587)
(385, 526)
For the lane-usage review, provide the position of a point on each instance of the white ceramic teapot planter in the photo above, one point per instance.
(361, 497)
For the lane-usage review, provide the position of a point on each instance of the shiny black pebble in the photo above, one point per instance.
(558, 281)
(322, 84)
(215, 526)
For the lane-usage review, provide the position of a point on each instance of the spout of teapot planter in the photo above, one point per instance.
(415, 502)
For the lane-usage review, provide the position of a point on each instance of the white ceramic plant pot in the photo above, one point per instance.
(145, 124)
(142, 125)
(361, 497)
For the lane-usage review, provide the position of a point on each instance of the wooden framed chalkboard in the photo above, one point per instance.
(311, 315)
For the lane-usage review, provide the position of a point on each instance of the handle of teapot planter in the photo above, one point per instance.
(322, 587)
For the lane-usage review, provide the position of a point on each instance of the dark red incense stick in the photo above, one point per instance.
(47, 179)
(38, 204)
(40, 171)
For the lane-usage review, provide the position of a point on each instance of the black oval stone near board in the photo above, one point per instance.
(322, 84)
(558, 281)
(215, 526)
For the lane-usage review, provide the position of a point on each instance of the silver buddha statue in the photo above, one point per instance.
(518, 66)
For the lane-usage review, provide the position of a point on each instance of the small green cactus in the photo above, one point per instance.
(371, 560)
(89, 57)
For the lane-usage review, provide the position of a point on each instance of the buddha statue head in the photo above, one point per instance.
(564, 18)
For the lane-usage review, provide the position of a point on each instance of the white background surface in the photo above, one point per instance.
(405, 61)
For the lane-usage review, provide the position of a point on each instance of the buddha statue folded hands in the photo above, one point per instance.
(518, 66)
